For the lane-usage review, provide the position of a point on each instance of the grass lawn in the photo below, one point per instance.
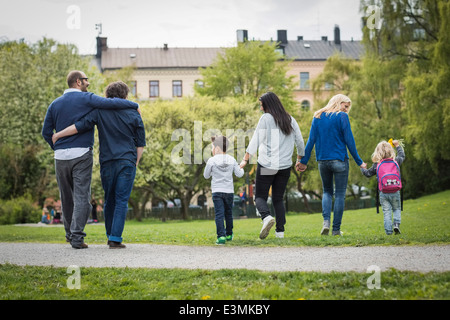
(425, 221)
(50, 283)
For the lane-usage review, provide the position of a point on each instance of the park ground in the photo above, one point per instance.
(424, 224)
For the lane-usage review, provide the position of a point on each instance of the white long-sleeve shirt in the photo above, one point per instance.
(275, 148)
(221, 168)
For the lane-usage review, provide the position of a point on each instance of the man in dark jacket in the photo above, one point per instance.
(73, 155)
(121, 135)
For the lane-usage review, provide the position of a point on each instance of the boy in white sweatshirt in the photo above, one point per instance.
(221, 168)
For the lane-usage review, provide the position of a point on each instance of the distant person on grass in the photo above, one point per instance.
(122, 140)
(221, 168)
(73, 155)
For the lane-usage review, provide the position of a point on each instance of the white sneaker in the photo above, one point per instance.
(268, 223)
(279, 235)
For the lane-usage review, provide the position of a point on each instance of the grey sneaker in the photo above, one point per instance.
(397, 228)
(337, 233)
(325, 228)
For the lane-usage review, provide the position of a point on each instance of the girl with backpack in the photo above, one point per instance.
(387, 168)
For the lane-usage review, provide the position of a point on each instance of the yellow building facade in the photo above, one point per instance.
(170, 73)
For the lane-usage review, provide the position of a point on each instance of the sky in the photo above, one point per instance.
(178, 23)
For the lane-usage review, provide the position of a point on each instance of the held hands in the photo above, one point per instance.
(243, 163)
(300, 167)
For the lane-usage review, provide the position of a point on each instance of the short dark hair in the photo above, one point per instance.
(72, 77)
(221, 142)
(117, 89)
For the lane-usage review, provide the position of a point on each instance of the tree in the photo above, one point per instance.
(32, 77)
(178, 135)
(412, 46)
(249, 69)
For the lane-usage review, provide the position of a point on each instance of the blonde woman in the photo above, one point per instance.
(390, 200)
(331, 134)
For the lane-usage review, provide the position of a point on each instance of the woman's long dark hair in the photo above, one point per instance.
(272, 104)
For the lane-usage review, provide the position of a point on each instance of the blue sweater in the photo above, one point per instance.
(72, 106)
(119, 133)
(331, 135)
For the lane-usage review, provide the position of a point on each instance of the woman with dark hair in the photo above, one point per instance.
(274, 139)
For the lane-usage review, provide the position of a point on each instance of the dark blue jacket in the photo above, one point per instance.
(332, 135)
(71, 107)
(120, 132)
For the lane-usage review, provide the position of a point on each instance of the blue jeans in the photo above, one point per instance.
(117, 180)
(390, 202)
(338, 170)
(223, 207)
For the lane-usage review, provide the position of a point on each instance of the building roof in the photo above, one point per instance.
(166, 57)
(115, 58)
(322, 49)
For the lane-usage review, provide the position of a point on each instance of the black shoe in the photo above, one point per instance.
(80, 246)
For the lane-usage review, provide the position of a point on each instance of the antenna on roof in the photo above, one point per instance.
(98, 26)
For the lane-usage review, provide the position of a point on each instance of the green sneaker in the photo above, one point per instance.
(221, 240)
(230, 237)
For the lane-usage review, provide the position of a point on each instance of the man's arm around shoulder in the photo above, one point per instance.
(96, 101)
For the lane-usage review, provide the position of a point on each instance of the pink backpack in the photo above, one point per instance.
(388, 176)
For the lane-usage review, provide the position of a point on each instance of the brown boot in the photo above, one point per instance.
(116, 245)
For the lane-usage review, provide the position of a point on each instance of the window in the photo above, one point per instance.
(154, 89)
(306, 106)
(133, 85)
(304, 80)
(199, 83)
(329, 86)
(177, 88)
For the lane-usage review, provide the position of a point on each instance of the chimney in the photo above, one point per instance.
(242, 35)
(337, 35)
(299, 38)
(324, 38)
(166, 46)
(282, 37)
(101, 46)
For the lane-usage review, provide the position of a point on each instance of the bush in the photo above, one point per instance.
(19, 210)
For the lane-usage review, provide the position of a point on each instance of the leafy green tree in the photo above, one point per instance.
(178, 134)
(249, 69)
(32, 76)
(412, 48)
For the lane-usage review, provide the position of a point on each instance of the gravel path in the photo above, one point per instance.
(326, 259)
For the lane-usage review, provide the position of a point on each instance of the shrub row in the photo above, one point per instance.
(19, 210)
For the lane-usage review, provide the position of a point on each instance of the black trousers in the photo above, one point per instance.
(277, 179)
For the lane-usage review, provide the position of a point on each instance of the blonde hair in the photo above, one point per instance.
(382, 151)
(334, 105)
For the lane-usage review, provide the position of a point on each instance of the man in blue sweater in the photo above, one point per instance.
(122, 139)
(73, 155)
